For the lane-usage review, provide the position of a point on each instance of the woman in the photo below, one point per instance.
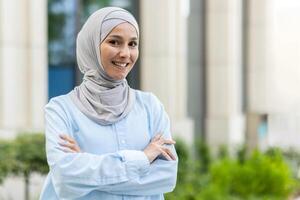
(105, 140)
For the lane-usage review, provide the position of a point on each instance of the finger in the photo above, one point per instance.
(66, 150)
(169, 141)
(64, 144)
(68, 145)
(67, 138)
(70, 139)
(170, 154)
(157, 137)
(64, 136)
(166, 155)
(163, 141)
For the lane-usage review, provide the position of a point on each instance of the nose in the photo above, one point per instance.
(125, 52)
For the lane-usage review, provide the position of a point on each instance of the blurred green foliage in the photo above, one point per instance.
(260, 175)
(6, 159)
(23, 156)
(30, 154)
(257, 176)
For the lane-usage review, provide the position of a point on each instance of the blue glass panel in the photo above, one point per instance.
(60, 80)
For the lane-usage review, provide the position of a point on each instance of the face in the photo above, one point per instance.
(119, 51)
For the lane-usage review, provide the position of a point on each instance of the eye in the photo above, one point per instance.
(114, 42)
(133, 44)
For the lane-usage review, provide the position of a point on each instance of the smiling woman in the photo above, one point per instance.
(119, 51)
(105, 140)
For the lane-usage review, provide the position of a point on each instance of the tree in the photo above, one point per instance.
(30, 156)
(6, 159)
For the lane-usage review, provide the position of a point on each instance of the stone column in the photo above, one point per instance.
(274, 47)
(164, 59)
(274, 72)
(196, 66)
(14, 64)
(38, 63)
(260, 66)
(260, 54)
(224, 120)
(23, 65)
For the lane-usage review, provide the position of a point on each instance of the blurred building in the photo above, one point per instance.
(226, 71)
(23, 65)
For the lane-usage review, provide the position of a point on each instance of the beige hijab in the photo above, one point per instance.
(99, 97)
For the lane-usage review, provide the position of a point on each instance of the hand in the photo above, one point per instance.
(157, 147)
(69, 144)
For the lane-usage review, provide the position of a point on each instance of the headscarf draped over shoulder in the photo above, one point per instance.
(99, 97)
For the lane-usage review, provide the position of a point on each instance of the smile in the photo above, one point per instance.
(120, 64)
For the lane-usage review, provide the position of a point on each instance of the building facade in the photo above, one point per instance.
(225, 71)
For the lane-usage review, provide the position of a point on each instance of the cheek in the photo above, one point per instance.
(135, 56)
(106, 55)
(105, 52)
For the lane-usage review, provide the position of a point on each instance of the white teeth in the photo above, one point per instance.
(120, 64)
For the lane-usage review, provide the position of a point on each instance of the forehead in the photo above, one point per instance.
(125, 30)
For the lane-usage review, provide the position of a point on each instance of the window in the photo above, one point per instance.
(65, 18)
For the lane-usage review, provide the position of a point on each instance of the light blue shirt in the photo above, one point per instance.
(113, 165)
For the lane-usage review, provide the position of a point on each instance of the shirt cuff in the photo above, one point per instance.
(136, 162)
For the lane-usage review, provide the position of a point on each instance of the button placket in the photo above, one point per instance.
(120, 131)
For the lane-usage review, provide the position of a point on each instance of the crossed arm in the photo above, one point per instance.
(126, 172)
(155, 148)
(74, 174)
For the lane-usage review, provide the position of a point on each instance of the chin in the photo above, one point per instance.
(117, 78)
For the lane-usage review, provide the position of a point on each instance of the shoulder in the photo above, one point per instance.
(149, 100)
(147, 97)
(58, 101)
(59, 111)
(60, 105)
(157, 116)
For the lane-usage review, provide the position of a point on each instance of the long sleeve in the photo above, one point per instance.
(124, 172)
(77, 174)
(160, 179)
(162, 175)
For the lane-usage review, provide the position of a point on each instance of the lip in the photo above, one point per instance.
(120, 65)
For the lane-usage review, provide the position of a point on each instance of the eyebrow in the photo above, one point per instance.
(120, 37)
